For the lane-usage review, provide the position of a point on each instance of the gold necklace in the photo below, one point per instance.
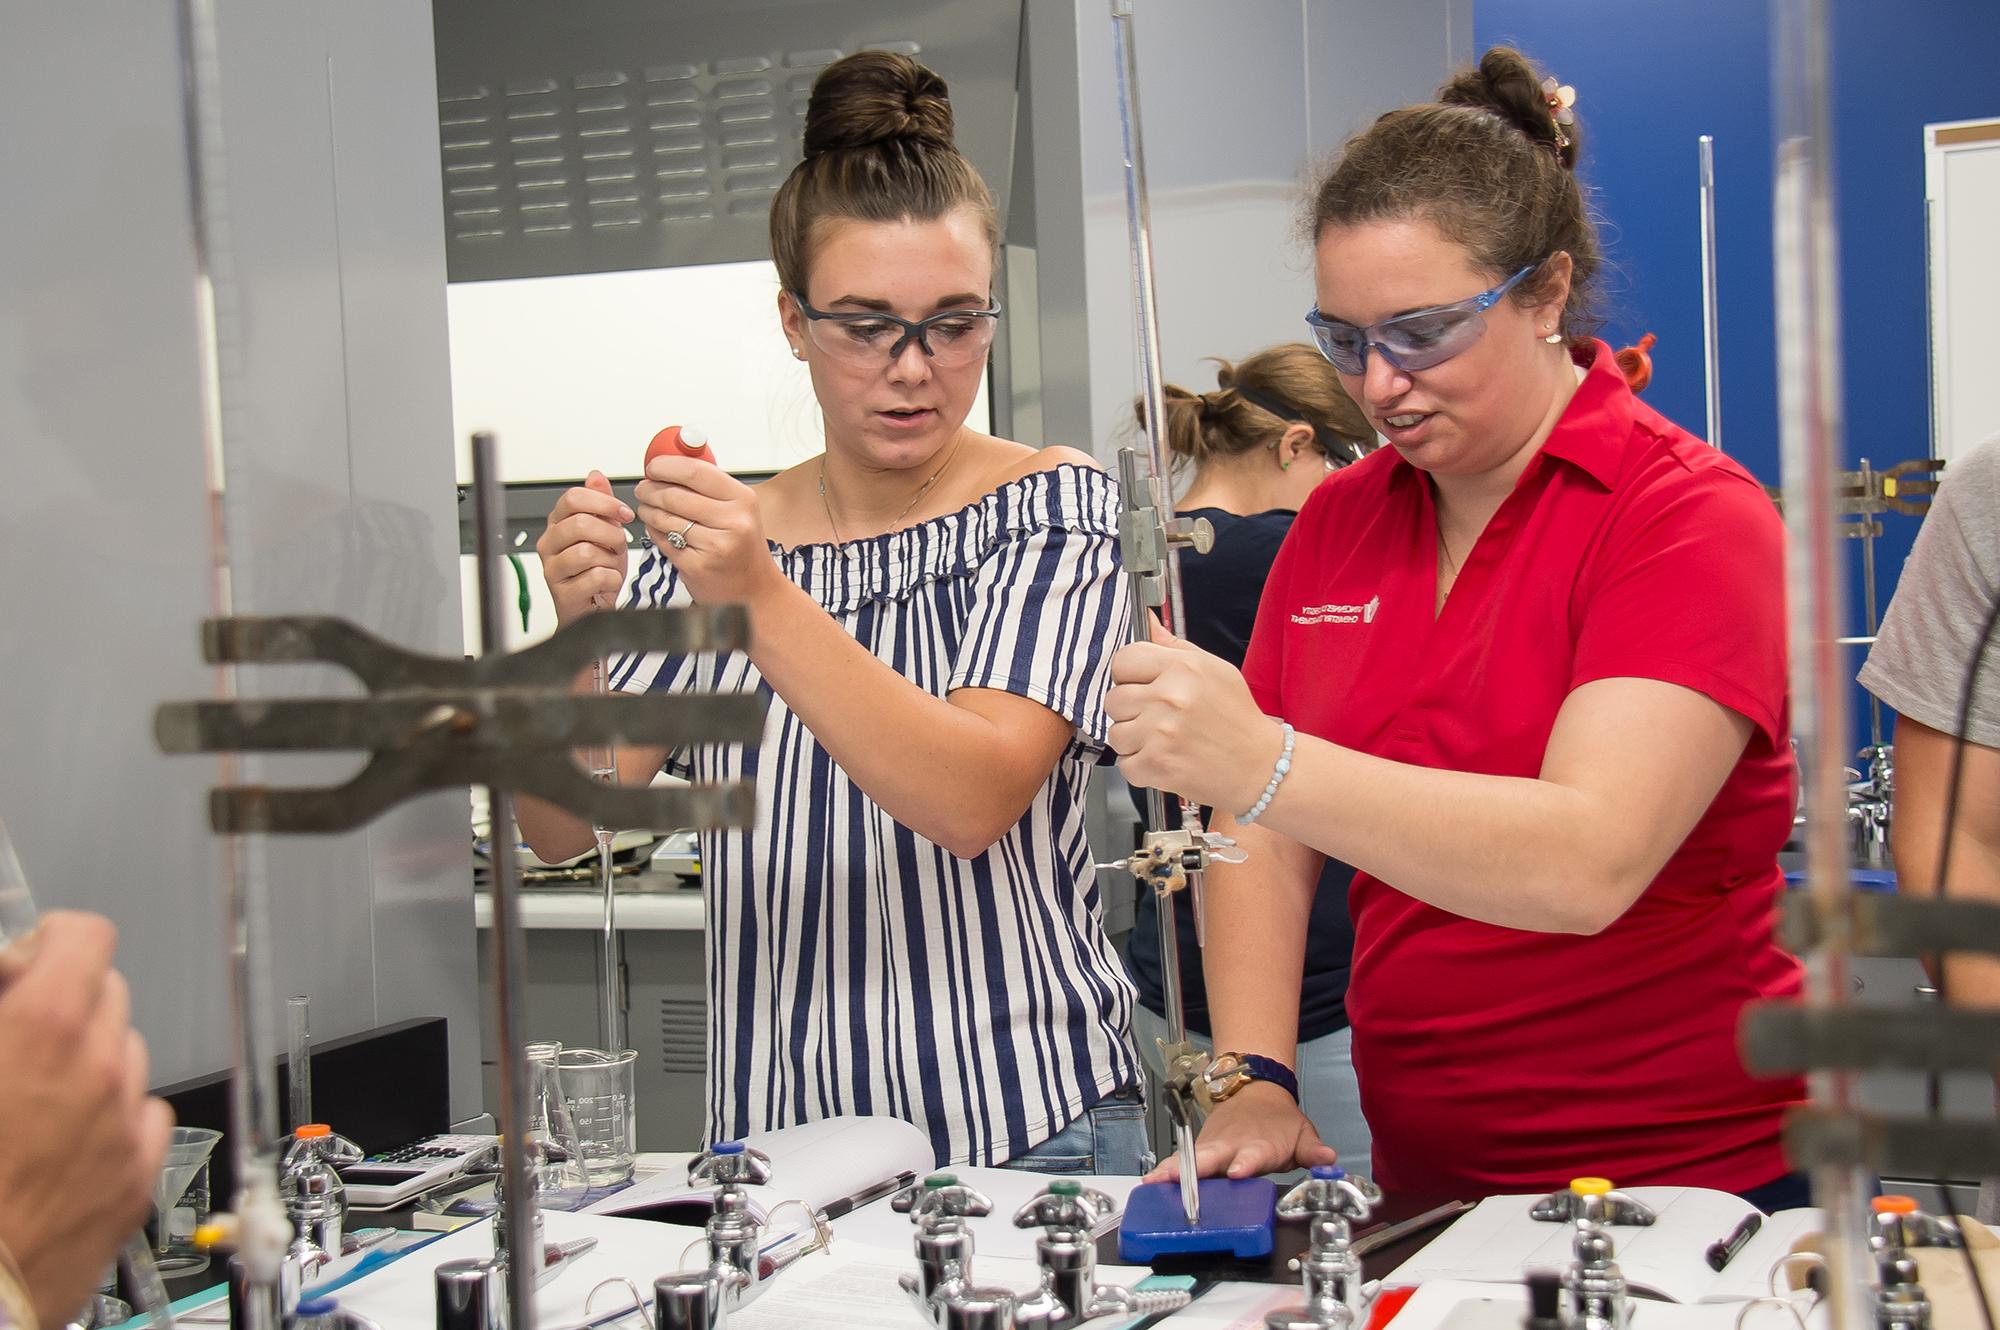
(826, 500)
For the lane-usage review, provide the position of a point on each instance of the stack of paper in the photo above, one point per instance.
(1498, 1240)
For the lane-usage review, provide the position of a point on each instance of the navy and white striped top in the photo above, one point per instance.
(853, 965)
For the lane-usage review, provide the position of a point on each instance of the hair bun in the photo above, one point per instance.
(1506, 83)
(875, 97)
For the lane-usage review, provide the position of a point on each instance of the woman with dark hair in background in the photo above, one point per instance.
(1276, 423)
(1525, 669)
(912, 928)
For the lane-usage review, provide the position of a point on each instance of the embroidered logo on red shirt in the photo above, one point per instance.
(1330, 613)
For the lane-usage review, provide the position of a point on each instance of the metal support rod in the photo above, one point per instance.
(510, 956)
(1139, 225)
(1871, 528)
(1711, 328)
(1138, 219)
(263, 1230)
(1811, 437)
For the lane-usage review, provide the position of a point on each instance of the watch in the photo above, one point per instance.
(1230, 1072)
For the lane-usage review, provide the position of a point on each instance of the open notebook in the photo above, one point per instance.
(1498, 1239)
(832, 1163)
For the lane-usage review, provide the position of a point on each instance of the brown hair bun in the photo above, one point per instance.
(875, 96)
(1507, 83)
(878, 148)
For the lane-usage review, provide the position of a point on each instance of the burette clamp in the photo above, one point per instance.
(1165, 858)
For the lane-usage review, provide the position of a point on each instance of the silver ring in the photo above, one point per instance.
(679, 539)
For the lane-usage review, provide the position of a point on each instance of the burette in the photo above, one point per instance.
(262, 1228)
(603, 763)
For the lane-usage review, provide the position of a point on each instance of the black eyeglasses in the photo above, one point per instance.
(952, 338)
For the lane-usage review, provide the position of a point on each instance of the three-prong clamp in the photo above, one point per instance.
(1069, 1214)
(1330, 1201)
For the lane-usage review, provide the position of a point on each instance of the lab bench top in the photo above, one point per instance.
(671, 908)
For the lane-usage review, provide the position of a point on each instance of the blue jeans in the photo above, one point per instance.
(1109, 1138)
(1328, 1092)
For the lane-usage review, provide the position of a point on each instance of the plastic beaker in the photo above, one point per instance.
(599, 1088)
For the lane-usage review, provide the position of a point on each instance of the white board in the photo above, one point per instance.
(1962, 200)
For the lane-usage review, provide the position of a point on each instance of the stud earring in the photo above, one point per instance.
(1553, 338)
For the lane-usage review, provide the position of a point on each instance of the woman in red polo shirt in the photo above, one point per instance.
(1525, 669)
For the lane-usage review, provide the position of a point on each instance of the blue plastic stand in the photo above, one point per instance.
(1238, 1216)
(1881, 881)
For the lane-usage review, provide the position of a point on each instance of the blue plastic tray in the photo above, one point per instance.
(1237, 1216)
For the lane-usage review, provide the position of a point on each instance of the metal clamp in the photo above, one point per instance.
(1331, 1201)
(1891, 1232)
(942, 1289)
(1888, 925)
(733, 1275)
(1068, 1214)
(1167, 861)
(472, 1294)
(1906, 488)
(1583, 1199)
(315, 1200)
(1900, 1301)
(1165, 858)
(939, 1207)
(434, 722)
(1146, 539)
(1598, 1298)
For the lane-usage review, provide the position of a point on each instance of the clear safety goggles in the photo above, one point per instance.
(952, 338)
(1413, 341)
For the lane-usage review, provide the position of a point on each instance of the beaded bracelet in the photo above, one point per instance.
(1278, 775)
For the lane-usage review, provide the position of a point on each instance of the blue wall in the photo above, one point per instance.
(1651, 78)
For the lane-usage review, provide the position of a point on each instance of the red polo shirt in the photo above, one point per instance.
(1493, 1059)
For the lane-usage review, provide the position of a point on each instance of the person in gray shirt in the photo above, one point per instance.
(1919, 666)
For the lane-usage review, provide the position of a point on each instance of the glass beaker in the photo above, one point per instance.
(187, 1152)
(599, 1088)
(555, 1161)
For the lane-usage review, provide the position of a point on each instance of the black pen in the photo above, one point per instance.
(1722, 1253)
(887, 1187)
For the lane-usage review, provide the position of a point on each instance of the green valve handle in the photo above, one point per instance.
(522, 600)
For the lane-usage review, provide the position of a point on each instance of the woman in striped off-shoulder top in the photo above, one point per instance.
(913, 926)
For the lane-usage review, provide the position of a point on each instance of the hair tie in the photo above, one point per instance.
(1207, 409)
(1329, 443)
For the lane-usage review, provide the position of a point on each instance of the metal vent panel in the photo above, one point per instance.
(683, 1035)
(625, 134)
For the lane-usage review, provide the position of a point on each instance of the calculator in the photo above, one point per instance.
(388, 1179)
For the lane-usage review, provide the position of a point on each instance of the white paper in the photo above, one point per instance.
(816, 1162)
(1497, 1241)
(1236, 1306)
(403, 1295)
(855, 1287)
(1452, 1304)
(994, 1235)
